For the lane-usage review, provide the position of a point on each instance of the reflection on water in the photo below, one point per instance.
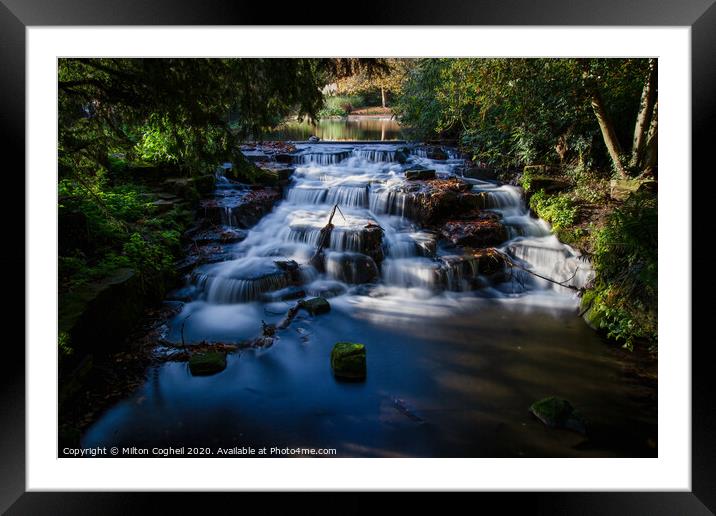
(351, 128)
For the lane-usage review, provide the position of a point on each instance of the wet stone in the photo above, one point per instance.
(558, 413)
(224, 235)
(315, 306)
(348, 361)
(484, 230)
(419, 175)
(208, 363)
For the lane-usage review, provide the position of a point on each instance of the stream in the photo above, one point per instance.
(455, 357)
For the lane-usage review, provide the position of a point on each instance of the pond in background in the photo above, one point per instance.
(340, 129)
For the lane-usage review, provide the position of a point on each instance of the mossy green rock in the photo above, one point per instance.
(348, 360)
(592, 317)
(558, 413)
(316, 305)
(204, 364)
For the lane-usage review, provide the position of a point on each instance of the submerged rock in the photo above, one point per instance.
(348, 360)
(558, 413)
(208, 363)
(315, 306)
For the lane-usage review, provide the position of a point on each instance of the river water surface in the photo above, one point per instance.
(454, 359)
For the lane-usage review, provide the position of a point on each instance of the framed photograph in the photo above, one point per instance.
(426, 254)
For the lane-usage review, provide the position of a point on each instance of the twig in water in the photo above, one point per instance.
(511, 263)
(182, 328)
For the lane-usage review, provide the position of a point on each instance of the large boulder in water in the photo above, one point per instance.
(435, 200)
(489, 261)
(483, 229)
(558, 413)
(348, 361)
(208, 363)
(352, 268)
(372, 241)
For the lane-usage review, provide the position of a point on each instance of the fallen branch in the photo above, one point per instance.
(324, 239)
(290, 315)
(203, 346)
(511, 263)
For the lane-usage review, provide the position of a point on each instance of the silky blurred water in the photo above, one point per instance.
(454, 360)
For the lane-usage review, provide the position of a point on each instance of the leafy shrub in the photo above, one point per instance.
(340, 105)
(559, 210)
(63, 344)
(146, 255)
(156, 145)
(624, 296)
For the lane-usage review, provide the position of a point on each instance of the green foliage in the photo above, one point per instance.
(417, 106)
(63, 344)
(589, 186)
(340, 105)
(157, 144)
(625, 260)
(559, 210)
(146, 255)
(514, 111)
(525, 180)
(118, 227)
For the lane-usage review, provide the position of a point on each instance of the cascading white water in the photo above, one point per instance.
(368, 185)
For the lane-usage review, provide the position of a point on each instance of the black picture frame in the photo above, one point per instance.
(17, 15)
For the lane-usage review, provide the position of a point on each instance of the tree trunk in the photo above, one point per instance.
(651, 152)
(608, 133)
(643, 120)
(382, 96)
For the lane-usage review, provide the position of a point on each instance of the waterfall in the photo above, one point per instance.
(374, 238)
